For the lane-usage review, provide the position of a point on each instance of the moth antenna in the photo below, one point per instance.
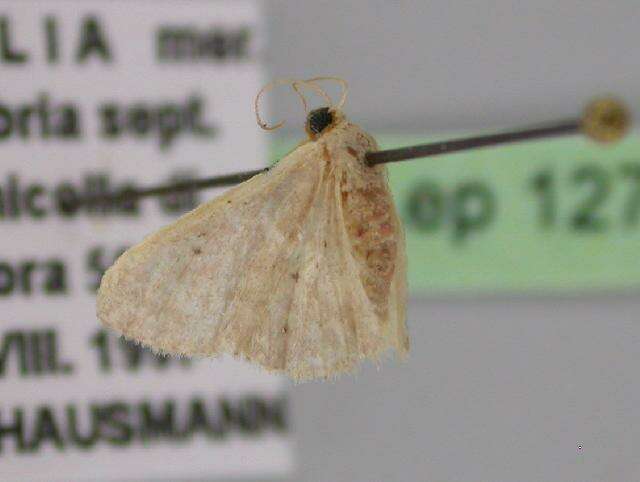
(256, 107)
(294, 86)
(343, 84)
(295, 83)
(316, 88)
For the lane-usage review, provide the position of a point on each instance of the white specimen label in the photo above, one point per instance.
(97, 97)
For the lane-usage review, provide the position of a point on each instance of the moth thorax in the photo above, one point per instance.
(318, 120)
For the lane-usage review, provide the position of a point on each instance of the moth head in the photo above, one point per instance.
(321, 120)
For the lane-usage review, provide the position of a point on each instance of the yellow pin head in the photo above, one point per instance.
(606, 119)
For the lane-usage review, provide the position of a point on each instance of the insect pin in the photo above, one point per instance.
(301, 269)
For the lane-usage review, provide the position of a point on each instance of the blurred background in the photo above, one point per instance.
(523, 321)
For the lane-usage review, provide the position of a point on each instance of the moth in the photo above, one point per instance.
(301, 269)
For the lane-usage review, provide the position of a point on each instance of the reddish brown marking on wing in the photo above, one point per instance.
(326, 154)
(352, 151)
(371, 226)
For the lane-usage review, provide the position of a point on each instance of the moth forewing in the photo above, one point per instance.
(376, 237)
(300, 269)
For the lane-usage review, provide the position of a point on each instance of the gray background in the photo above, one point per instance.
(499, 388)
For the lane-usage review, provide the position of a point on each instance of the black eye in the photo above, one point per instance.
(319, 119)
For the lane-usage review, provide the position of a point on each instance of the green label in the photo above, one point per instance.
(559, 215)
